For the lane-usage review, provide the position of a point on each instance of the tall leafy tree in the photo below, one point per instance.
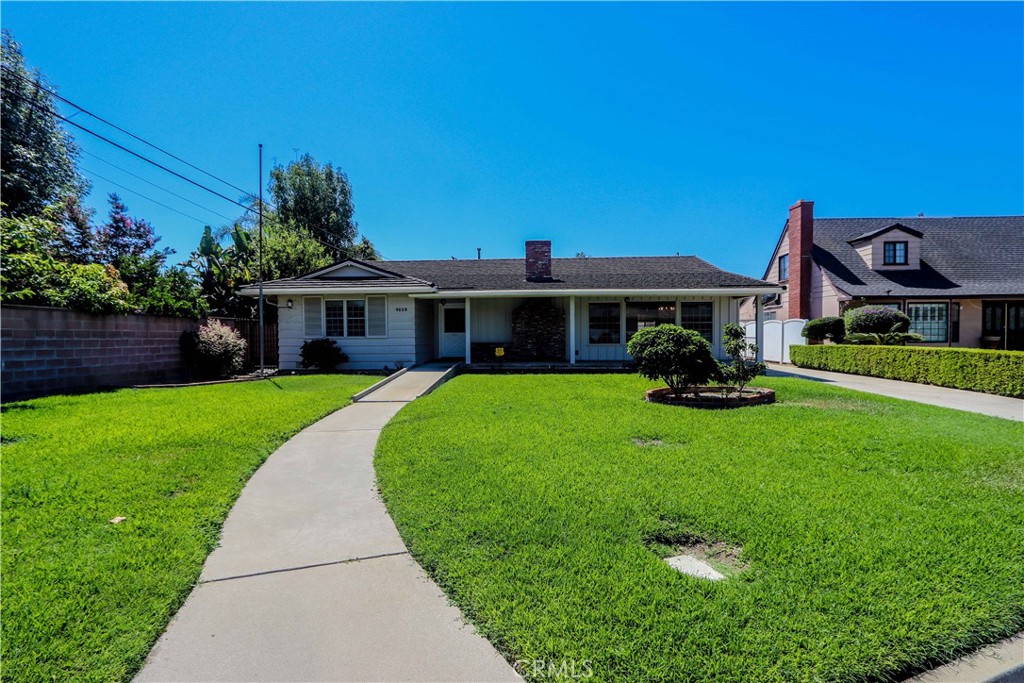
(37, 156)
(318, 200)
(124, 236)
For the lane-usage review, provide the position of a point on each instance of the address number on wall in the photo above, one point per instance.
(401, 309)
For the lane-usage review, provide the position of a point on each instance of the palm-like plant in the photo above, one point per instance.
(891, 338)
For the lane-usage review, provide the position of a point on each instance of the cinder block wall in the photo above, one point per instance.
(47, 351)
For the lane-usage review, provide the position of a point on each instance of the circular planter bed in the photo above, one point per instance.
(712, 397)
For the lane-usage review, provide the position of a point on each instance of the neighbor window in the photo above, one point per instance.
(641, 314)
(697, 316)
(783, 267)
(604, 323)
(894, 253)
(930, 321)
(347, 317)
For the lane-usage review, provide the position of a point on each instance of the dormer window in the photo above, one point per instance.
(783, 267)
(894, 254)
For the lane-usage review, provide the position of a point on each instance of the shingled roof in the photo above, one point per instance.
(960, 257)
(616, 273)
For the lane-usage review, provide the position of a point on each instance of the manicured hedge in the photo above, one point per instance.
(993, 372)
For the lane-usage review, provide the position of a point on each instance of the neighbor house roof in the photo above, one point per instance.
(960, 257)
(636, 273)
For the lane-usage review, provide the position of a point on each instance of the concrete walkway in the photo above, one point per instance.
(312, 582)
(972, 401)
(1002, 662)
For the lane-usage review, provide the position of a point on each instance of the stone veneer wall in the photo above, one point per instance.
(55, 351)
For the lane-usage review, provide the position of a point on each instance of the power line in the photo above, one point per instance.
(159, 187)
(309, 229)
(126, 132)
(129, 151)
(136, 192)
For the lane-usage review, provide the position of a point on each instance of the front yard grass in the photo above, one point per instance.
(878, 536)
(83, 598)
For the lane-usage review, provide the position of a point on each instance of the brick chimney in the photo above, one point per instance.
(801, 241)
(538, 260)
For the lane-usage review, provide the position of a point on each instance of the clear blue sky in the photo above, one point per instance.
(615, 129)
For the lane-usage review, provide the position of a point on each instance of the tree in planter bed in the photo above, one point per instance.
(323, 354)
(740, 370)
(677, 356)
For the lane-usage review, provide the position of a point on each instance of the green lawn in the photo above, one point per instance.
(880, 535)
(84, 599)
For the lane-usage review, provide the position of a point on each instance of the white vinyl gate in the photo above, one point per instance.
(778, 337)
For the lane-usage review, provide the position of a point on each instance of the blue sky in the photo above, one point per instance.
(614, 129)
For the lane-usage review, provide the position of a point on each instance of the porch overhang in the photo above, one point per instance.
(547, 293)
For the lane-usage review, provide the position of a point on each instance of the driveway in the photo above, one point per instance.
(972, 401)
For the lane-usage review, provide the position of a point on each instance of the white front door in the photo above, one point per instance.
(453, 330)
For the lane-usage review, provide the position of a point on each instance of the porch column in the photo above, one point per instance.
(469, 358)
(572, 330)
(759, 327)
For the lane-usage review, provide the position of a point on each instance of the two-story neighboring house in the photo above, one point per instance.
(961, 280)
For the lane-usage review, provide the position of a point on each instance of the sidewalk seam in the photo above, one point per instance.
(265, 572)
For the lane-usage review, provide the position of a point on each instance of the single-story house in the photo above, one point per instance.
(563, 310)
(961, 280)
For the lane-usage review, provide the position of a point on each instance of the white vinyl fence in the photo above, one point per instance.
(778, 337)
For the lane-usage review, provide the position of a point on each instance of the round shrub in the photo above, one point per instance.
(323, 354)
(677, 356)
(875, 319)
(820, 329)
(214, 350)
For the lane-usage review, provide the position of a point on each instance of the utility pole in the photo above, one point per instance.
(261, 259)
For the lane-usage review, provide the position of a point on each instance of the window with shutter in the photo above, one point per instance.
(311, 309)
(376, 316)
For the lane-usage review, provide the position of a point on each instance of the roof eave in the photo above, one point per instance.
(511, 293)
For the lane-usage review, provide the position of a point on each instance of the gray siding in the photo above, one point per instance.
(365, 353)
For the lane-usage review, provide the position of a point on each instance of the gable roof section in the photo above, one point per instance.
(881, 231)
(960, 257)
(652, 273)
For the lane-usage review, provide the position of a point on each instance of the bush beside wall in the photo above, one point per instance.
(993, 372)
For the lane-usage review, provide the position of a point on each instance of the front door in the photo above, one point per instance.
(453, 331)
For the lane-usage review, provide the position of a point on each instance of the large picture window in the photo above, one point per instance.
(931, 321)
(641, 314)
(698, 316)
(894, 253)
(604, 323)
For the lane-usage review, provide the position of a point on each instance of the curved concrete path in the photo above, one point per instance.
(312, 582)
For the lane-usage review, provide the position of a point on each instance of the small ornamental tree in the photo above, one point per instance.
(323, 354)
(743, 367)
(820, 329)
(677, 356)
(214, 350)
(875, 319)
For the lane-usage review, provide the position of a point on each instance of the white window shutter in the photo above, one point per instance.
(313, 313)
(376, 316)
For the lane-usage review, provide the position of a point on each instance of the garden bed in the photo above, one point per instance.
(712, 397)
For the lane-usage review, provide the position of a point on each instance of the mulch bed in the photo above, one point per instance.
(712, 397)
